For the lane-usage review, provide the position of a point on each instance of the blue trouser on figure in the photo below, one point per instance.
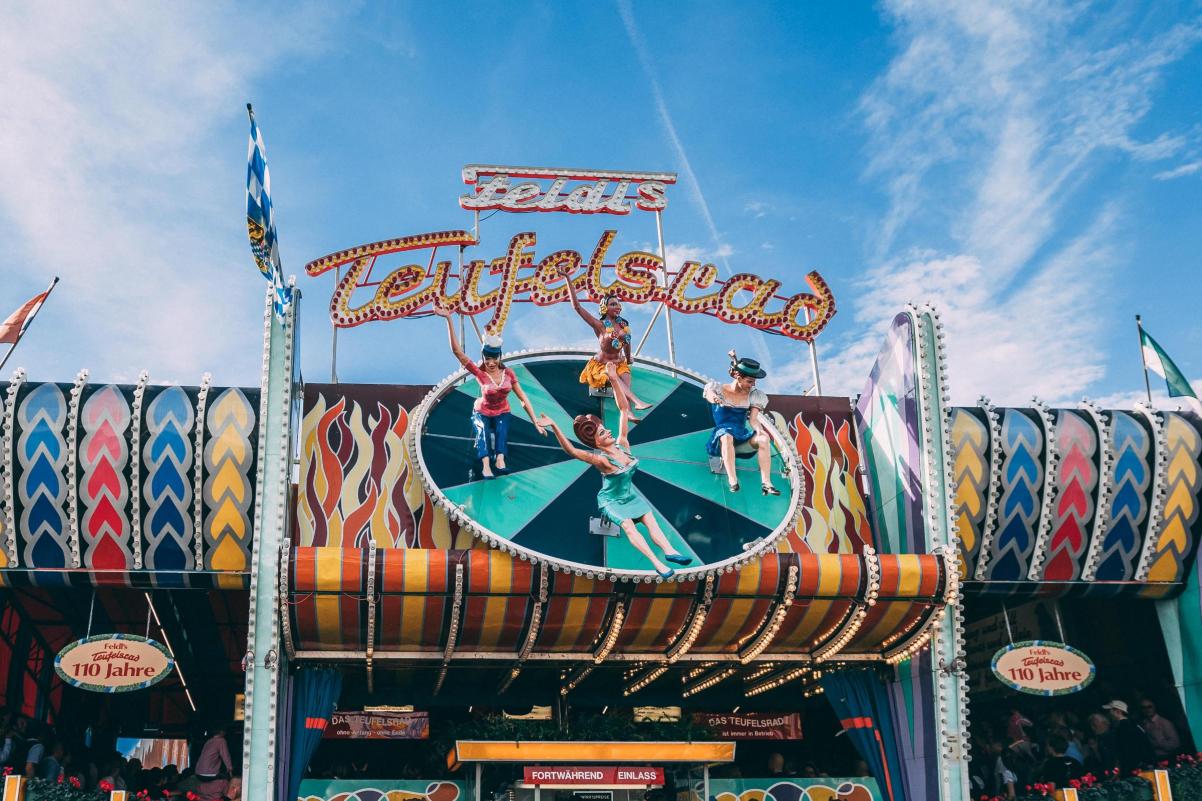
(492, 434)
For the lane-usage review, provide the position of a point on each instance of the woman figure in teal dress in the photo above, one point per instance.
(619, 502)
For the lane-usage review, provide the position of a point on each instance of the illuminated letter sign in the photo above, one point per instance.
(743, 298)
(593, 192)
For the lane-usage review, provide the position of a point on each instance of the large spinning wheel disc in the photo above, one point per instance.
(546, 509)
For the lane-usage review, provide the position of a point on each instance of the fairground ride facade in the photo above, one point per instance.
(391, 572)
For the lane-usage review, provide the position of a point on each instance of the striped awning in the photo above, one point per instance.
(429, 604)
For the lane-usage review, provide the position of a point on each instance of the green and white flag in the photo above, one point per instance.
(1159, 362)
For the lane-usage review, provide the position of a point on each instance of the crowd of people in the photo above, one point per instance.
(1013, 752)
(36, 751)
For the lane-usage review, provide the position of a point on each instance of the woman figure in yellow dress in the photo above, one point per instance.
(612, 363)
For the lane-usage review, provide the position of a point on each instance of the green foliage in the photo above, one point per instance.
(1186, 780)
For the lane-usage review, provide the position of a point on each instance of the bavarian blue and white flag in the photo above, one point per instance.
(260, 218)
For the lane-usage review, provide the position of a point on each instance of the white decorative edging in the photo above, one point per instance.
(872, 589)
(1156, 507)
(1051, 485)
(1106, 459)
(202, 400)
(452, 629)
(536, 621)
(455, 512)
(135, 473)
(778, 618)
(10, 489)
(285, 610)
(989, 528)
(81, 380)
(616, 620)
(693, 629)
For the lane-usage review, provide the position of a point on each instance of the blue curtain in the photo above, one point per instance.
(859, 699)
(315, 695)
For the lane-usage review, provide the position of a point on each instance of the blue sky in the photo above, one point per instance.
(1032, 169)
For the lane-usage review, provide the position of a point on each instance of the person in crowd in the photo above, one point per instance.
(50, 767)
(188, 783)
(619, 501)
(1075, 750)
(490, 412)
(1131, 741)
(776, 764)
(1099, 744)
(132, 770)
(12, 752)
(1003, 779)
(860, 768)
(112, 774)
(214, 767)
(1162, 734)
(1016, 732)
(736, 408)
(1059, 768)
(34, 753)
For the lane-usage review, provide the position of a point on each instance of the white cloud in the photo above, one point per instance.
(986, 121)
(1160, 397)
(756, 208)
(1189, 168)
(109, 178)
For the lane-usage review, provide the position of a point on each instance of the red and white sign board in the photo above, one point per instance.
(1042, 667)
(113, 663)
(751, 726)
(593, 775)
(378, 726)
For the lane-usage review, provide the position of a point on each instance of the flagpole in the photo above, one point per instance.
(29, 322)
(1143, 359)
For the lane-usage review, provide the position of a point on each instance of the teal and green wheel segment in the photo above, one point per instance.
(545, 509)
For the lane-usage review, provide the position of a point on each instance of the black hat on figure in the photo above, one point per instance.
(748, 367)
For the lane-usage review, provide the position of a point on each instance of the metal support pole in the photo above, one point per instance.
(334, 337)
(1006, 619)
(478, 779)
(663, 255)
(813, 358)
(1142, 360)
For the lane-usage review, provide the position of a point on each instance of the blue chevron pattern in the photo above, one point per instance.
(166, 488)
(1021, 488)
(42, 488)
(1130, 477)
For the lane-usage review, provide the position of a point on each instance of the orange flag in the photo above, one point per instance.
(12, 328)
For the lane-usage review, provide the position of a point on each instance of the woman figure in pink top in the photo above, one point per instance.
(490, 413)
